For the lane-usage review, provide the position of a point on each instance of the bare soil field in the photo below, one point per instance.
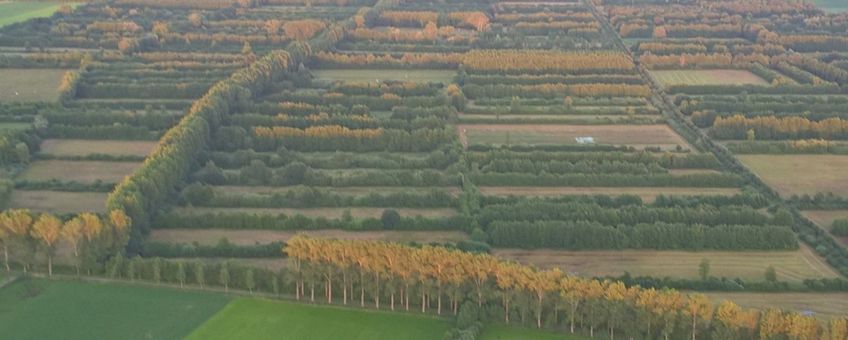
(356, 212)
(248, 237)
(801, 174)
(647, 194)
(80, 171)
(707, 77)
(58, 201)
(30, 85)
(792, 266)
(638, 136)
(82, 147)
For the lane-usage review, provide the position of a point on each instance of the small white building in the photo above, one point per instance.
(585, 140)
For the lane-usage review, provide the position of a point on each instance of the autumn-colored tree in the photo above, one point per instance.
(48, 230)
(18, 223)
(698, 306)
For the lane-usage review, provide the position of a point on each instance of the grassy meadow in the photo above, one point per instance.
(70, 310)
(265, 319)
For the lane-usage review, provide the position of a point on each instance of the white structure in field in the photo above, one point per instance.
(585, 140)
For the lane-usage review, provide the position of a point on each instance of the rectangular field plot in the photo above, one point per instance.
(792, 266)
(81, 147)
(29, 85)
(80, 171)
(823, 305)
(638, 136)
(265, 319)
(832, 5)
(17, 11)
(326, 212)
(79, 310)
(648, 195)
(801, 174)
(59, 201)
(365, 75)
(707, 77)
(248, 237)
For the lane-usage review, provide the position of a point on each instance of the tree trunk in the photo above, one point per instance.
(312, 291)
(6, 257)
(49, 265)
(77, 263)
(330, 289)
(344, 288)
(361, 295)
(377, 291)
(506, 308)
(423, 302)
(439, 303)
(573, 311)
(406, 297)
(694, 324)
(393, 300)
(539, 314)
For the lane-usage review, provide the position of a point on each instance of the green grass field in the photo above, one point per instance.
(832, 5)
(257, 319)
(436, 76)
(29, 85)
(80, 171)
(17, 11)
(58, 201)
(501, 332)
(707, 77)
(69, 310)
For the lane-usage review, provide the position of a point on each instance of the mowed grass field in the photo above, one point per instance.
(365, 75)
(823, 305)
(801, 174)
(791, 266)
(248, 237)
(29, 85)
(80, 171)
(648, 195)
(638, 136)
(356, 212)
(82, 147)
(58, 201)
(70, 310)
(17, 11)
(707, 77)
(258, 319)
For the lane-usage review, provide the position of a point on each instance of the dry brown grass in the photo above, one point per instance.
(81, 147)
(247, 237)
(792, 266)
(80, 171)
(707, 77)
(326, 212)
(638, 136)
(800, 174)
(647, 194)
(30, 85)
(58, 201)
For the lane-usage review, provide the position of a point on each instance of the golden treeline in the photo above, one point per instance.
(396, 271)
(452, 59)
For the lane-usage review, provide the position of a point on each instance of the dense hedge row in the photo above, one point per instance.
(252, 221)
(664, 236)
(706, 180)
(305, 197)
(627, 215)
